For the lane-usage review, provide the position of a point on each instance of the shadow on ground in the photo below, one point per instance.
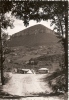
(51, 76)
(5, 95)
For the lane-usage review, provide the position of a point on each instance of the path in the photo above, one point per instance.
(28, 85)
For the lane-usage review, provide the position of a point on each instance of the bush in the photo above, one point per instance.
(58, 83)
(7, 77)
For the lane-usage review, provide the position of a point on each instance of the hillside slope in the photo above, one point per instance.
(33, 36)
(37, 43)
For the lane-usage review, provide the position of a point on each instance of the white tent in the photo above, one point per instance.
(29, 72)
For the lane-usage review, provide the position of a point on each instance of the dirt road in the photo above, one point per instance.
(28, 85)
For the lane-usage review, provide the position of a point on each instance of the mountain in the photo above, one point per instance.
(38, 44)
(34, 36)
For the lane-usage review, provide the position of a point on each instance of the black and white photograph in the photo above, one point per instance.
(33, 50)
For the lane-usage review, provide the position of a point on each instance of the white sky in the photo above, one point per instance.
(18, 25)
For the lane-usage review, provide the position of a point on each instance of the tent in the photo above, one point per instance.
(26, 71)
(29, 72)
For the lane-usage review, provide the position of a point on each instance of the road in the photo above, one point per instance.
(27, 85)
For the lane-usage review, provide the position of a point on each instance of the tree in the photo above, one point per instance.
(4, 23)
(50, 10)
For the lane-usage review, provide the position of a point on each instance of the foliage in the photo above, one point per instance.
(5, 7)
(59, 85)
(4, 23)
(56, 11)
(57, 81)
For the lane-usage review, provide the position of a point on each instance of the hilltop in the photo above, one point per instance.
(34, 36)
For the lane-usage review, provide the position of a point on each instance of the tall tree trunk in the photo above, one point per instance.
(61, 27)
(66, 47)
(65, 40)
(66, 44)
(1, 58)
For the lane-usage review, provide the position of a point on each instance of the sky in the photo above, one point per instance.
(18, 24)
